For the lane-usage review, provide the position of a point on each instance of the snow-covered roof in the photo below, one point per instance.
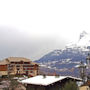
(47, 80)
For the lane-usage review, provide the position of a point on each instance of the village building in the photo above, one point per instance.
(18, 66)
(85, 86)
(42, 82)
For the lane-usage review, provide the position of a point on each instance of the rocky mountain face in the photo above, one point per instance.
(64, 61)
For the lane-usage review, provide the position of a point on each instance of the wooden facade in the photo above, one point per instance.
(49, 87)
(3, 68)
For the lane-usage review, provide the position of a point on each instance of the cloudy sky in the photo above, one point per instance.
(32, 28)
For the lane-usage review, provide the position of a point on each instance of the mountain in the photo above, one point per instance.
(64, 61)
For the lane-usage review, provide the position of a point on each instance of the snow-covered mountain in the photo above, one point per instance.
(64, 61)
(83, 42)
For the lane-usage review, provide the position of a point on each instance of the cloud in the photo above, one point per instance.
(13, 42)
(32, 28)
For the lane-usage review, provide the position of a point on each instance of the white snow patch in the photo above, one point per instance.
(47, 80)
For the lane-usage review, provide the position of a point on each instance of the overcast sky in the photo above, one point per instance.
(32, 28)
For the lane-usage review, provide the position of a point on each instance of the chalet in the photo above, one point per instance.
(41, 82)
(18, 65)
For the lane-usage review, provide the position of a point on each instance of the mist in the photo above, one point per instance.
(14, 43)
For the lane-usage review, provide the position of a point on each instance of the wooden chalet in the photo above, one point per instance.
(47, 82)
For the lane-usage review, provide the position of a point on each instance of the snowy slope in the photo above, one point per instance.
(83, 42)
(65, 60)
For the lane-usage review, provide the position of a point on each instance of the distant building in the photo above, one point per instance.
(18, 65)
(84, 88)
(47, 82)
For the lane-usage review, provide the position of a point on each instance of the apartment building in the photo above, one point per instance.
(18, 66)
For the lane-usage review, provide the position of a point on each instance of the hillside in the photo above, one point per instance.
(64, 61)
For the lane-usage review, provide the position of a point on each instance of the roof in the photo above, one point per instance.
(75, 78)
(3, 62)
(41, 80)
(17, 59)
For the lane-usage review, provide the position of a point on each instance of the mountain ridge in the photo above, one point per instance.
(66, 59)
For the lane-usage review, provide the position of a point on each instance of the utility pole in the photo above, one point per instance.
(88, 65)
(88, 61)
(82, 69)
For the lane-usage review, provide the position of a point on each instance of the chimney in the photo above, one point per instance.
(44, 76)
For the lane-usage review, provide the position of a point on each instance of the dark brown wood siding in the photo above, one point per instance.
(35, 87)
(3, 67)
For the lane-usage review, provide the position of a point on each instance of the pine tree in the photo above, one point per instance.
(71, 85)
